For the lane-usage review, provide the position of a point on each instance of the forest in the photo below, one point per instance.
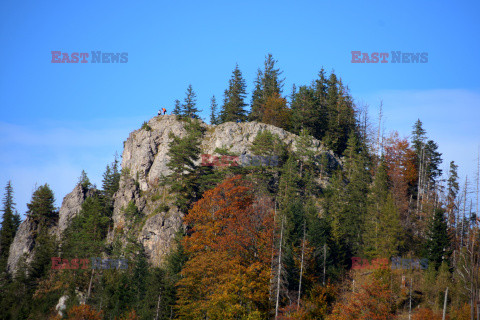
(383, 234)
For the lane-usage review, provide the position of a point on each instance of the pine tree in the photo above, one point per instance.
(418, 138)
(177, 110)
(10, 221)
(189, 108)
(256, 105)
(213, 115)
(111, 180)
(382, 225)
(434, 158)
(438, 243)
(84, 181)
(268, 83)
(233, 108)
(452, 192)
(184, 153)
(41, 208)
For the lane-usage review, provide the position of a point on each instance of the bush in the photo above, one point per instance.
(146, 126)
(426, 314)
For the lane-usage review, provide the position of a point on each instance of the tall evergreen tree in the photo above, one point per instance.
(213, 108)
(418, 138)
(267, 84)
(41, 208)
(177, 109)
(189, 108)
(10, 223)
(452, 192)
(84, 181)
(382, 224)
(184, 153)
(233, 108)
(111, 180)
(438, 242)
(42, 211)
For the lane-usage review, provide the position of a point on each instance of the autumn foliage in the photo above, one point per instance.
(229, 245)
(84, 312)
(426, 314)
(373, 301)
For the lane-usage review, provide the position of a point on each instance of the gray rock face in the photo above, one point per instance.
(145, 153)
(145, 158)
(144, 163)
(24, 241)
(22, 244)
(71, 206)
(158, 233)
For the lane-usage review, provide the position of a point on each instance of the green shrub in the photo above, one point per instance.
(146, 126)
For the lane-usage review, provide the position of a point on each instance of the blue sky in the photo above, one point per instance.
(57, 119)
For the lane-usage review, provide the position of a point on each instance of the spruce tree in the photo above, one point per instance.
(213, 108)
(258, 101)
(233, 108)
(184, 153)
(418, 138)
(267, 84)
(177, 110)
(382, 224)
(111, 180)
(42, 211)
(452, 192)
(438, 242)
(10, 222)
(434, 159)
(189, 108)
(84, 181)
(41, 208)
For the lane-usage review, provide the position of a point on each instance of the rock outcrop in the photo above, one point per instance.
(71, 206)
(144, 163)
(24, 242)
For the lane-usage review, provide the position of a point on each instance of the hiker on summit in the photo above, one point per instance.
(164, 111)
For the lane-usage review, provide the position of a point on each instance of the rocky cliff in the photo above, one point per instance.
(144, 163)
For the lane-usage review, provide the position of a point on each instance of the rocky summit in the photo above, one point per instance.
(144, 163)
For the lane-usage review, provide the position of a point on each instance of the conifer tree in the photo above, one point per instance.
(382, 223)
(452, 192)
(84, 181)
(189, 108)
(42, 211)
(233, 108)
(41, 208)
(268, 83)
(213, 108)
(438, 241)
(10, 223)
(177, 110)
(184, 153)
(111, 180)
(418, 138)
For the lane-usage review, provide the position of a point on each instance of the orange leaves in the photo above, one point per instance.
(275, 111)
(84, 312)
(426, 314)
(230, 246)
(372, 302)
(400, 162)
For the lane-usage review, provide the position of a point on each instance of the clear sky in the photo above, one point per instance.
(57, 119)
